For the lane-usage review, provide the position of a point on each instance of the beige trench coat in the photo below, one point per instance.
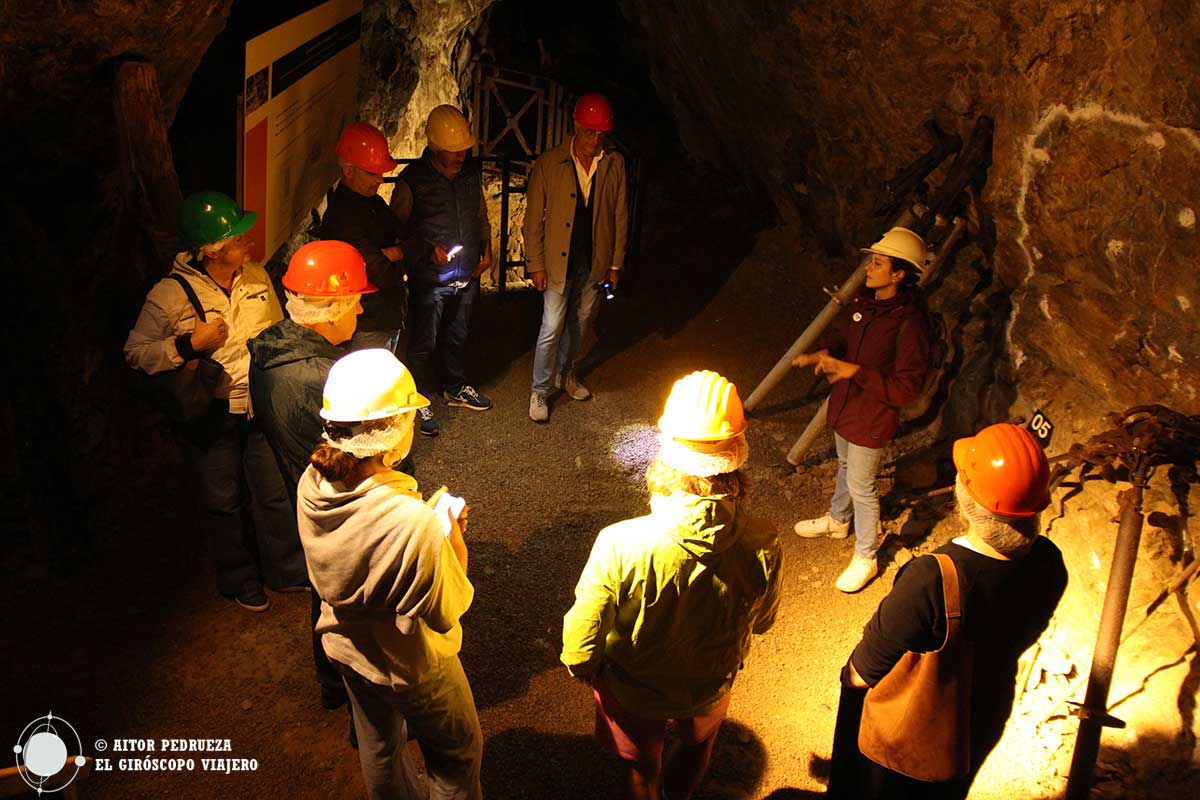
(550, 209)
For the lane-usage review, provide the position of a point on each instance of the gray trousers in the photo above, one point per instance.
(440, 712)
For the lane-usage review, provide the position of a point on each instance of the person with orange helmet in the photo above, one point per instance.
(876, 362)
(576, 223)
(668, 603)
(1010, 579)
(357, 215)
(440, 196)
(289, 362)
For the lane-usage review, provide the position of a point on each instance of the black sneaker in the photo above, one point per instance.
(468, 397)
(253, 598)
(428, 425)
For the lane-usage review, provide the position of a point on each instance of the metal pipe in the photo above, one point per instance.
(1094, 712)
(818, 325)
(815, 426)
(810, 335)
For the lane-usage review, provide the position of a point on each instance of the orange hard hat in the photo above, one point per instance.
(703, 407)
(327, 268)
(365, 147)
(1004, 470)
(594, 112)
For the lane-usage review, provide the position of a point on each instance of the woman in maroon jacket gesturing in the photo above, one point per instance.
(877, 363)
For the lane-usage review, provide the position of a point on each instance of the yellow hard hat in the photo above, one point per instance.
(703, 407)
(901, 243)
(369, 384)
(448, 129)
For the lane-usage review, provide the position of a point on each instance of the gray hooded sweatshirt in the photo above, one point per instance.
(392, 590)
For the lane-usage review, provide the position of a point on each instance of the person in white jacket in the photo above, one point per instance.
(391, 573)
(234, 469)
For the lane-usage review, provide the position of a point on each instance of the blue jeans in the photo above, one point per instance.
(566, 320)
(440, 316)
(236, 473)
(856, 493)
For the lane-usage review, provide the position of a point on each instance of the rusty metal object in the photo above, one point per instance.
(911, 178)
(1143, 438)
(971, 164)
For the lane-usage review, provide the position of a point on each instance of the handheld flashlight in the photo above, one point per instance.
(453, 251)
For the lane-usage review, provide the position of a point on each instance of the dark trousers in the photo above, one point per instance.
(853, 776)
(394, 341)
(244, 503)
(440, 317)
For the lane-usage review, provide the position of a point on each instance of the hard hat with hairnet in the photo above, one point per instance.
(368, 385)
(1004, 470)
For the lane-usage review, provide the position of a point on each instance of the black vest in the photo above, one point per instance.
(446, 212)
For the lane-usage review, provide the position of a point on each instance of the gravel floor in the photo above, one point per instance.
(131, 641)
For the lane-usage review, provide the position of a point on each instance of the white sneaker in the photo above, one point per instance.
(858, 574)
(574, 389)
(822, 526)
(538, 412)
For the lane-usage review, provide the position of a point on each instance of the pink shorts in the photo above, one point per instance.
(634, 738)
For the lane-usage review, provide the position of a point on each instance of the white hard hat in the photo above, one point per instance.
(368, 385)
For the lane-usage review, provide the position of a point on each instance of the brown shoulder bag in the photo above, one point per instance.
(916, 721)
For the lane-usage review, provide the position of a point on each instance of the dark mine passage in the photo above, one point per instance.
(954, 244)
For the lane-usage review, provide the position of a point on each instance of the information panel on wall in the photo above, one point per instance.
(301, 90)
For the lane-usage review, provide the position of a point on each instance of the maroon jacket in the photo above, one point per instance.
(889, 340)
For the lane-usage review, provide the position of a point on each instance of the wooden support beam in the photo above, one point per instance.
(145, 152)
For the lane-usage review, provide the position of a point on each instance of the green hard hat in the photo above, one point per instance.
(209, 217)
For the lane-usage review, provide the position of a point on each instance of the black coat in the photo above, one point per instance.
(369, 225)
(288, 367)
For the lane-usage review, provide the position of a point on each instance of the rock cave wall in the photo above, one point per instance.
(1096, 111)
(1079, 295)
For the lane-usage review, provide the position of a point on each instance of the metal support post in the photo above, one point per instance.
(1093, 713)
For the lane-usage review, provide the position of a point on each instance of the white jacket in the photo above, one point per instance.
(250, 307)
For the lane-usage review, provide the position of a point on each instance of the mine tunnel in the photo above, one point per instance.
(757, 180)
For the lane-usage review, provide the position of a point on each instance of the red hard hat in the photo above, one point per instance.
(594, 112)
(366, 148)
(1005, 470)
(327, 268)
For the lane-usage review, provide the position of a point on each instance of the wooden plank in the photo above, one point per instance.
(145, 152)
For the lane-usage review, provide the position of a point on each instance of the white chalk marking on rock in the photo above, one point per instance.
(1044, 305)
(1184, 303)
(1173, 354)
(1187, 218)
(1033, 155)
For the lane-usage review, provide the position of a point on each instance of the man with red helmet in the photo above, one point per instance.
(289, 362)
(1010, 579)
(576, 221)
(358, 216)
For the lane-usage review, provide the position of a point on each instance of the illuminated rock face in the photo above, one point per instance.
(1090, 191)
(415, 56)
(1080, 296)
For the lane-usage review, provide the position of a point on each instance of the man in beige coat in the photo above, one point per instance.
(576, 221)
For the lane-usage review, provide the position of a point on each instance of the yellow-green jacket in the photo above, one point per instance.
(666, 605)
